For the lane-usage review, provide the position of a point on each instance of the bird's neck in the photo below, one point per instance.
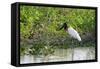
(66, 29)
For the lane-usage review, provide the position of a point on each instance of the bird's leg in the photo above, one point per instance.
(72, 47)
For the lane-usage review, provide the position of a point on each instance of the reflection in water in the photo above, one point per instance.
(85, 53)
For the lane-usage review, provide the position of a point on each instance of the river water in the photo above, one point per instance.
(79, 53)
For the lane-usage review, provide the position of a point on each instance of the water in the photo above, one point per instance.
(80, 53)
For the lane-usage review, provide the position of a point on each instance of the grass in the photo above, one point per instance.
(43, 49)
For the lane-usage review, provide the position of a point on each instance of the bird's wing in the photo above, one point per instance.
(73, 33)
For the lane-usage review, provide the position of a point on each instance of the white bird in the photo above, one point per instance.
(72, 32)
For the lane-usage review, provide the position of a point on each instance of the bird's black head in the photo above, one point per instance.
(64, 26)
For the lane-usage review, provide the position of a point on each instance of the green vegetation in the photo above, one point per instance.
(39, 28)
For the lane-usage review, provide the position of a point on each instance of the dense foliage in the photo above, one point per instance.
(39, 28)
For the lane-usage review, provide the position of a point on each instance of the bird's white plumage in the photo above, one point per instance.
(73, 33)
